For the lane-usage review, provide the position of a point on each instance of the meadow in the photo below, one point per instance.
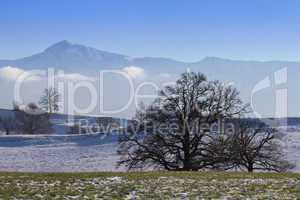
(150, 185)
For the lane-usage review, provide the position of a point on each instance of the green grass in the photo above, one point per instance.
(149, 185)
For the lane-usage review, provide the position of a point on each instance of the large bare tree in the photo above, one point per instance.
(49, 101)
(176, 127)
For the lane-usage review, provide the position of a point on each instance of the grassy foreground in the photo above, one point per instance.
(150, 185)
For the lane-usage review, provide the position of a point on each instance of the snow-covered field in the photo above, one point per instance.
(82, 153)
(58, 153)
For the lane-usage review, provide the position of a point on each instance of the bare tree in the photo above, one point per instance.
(256, 146)
(176, 126)
(32, 120)
(50, 100)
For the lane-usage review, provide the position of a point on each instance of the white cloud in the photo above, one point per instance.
(13, 73)
(73, 77)
(134, 72)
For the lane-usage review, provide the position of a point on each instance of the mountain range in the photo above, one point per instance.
(74, 57)
(79, 58)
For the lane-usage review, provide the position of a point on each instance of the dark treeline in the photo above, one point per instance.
(32, 118)
(28, 119)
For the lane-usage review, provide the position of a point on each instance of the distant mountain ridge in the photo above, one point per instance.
(74, 57)
(79, 58)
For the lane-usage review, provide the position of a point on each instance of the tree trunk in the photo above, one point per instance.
(186, 149)
(250, 167)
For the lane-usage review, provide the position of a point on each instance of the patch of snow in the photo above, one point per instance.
(115, 178)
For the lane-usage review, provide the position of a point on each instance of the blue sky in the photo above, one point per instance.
(184, 30)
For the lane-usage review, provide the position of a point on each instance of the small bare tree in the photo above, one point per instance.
(256, 146)
(49, 101)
